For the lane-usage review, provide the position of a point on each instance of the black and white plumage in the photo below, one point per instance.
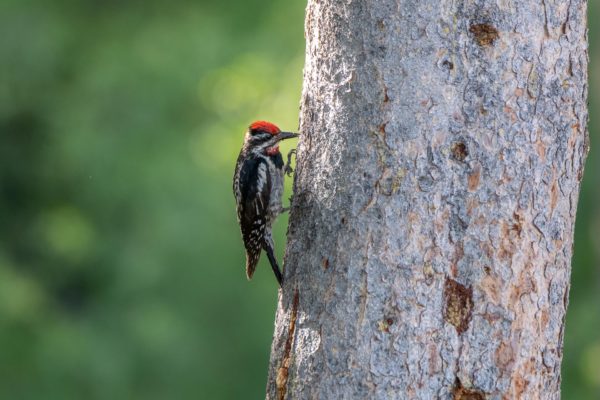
(258, 187)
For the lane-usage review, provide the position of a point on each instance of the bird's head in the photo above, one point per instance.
(263, 137)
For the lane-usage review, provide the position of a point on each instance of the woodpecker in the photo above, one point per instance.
(258, 187)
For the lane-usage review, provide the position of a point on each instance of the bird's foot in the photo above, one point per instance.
(288, 167)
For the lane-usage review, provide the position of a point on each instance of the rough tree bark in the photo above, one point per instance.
(438, 174)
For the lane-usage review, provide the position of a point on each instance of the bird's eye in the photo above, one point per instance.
(258, 132)
(260, 135)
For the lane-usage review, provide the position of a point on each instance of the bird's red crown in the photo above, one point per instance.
(265, 126)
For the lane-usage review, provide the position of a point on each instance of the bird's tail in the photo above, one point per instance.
(270, 249)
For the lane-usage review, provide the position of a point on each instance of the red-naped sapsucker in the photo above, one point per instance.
(258, 187)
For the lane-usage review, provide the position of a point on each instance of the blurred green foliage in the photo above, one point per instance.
(121, 266)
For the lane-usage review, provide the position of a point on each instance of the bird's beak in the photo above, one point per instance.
(286, 135)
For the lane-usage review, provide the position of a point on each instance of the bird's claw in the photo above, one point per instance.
(288, 167)
(288, 171)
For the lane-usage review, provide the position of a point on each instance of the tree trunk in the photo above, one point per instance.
(438, 174)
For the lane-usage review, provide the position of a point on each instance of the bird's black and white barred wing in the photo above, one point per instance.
(254, 189)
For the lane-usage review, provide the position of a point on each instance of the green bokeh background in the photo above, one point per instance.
(121, 266)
